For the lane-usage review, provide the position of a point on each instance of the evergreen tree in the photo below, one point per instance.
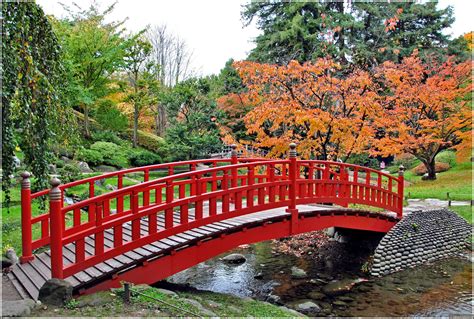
(362, 33)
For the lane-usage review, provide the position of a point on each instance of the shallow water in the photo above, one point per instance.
(440, 289)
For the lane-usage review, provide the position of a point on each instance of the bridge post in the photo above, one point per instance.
(292, 175)
(26, 232)
(56, 241)
(401, 182)
(234, 172)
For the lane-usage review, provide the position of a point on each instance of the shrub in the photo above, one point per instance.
(69, 173)
(439, 167)
(150, 141)
(407, 160)
(107, 136)
(110, 117)
(448, 157)
(112, 154)
(364, 160)
(91, 157)
(143, 158)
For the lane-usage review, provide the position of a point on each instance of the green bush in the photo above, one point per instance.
(143, 158)
(150, 141)
(110, 117)
(407, 160)
(448, 157)
(364, 160)
(91, 157)
(113, 154)
(107, 136)
(69, 173)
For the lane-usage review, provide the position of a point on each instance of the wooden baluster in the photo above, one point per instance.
(367, 186)
(311, 180)
(198, 202)
(134, 205)
(389, 193)
(193, 181)
(169, 199)
(77, 217)
(212, 200)
(355, 181)
(146, 192)
(250, 182)
(379, 190)
(271, 189)
(91, 210)
(183, 208)
(106, 207)
(120, 197)
(159, 194)
(225, 187)
(99, 235)
(118, 235)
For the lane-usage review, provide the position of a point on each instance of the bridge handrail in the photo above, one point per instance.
(28, 220)
(261, 183)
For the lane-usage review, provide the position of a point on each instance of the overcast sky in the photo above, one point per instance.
(213, 28)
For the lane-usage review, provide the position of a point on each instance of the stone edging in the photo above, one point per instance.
(418, 238)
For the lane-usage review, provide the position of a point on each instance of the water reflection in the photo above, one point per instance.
(440, 289)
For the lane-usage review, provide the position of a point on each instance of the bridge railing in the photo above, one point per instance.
(34, 218)
(137, 215)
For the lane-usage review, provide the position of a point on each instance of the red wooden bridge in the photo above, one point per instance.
(148, 231)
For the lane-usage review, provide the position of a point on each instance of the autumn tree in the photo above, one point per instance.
(425, 110)
(311, 104)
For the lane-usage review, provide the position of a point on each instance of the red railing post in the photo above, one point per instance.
(56, 229)
(26, 231)
(234, 172)
(401, 182)
(292, 176)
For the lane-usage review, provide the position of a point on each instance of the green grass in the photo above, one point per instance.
(463, 211)
(107, 304)
(457, 181)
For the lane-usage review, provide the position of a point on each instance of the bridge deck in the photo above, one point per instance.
(29, 277)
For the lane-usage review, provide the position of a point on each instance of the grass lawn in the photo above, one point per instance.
(463, 211)
(457, 181)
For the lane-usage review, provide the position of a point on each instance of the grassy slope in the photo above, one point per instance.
(110, 304)
(457, 181)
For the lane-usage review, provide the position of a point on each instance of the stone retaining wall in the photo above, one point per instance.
(420, 237)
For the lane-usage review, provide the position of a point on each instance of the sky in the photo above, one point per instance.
(213, 28)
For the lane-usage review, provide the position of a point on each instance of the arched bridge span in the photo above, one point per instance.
(148, 231)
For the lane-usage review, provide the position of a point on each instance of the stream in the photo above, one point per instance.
(334, 283)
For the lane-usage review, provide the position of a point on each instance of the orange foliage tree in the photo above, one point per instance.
(327, 114)
(426, 108)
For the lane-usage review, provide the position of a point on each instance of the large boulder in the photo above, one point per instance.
(105, 168)
(17, 308)
(55, 292)
(84, 167)
(234, 259)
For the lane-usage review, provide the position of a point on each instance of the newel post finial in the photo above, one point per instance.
(56, 229)
(292, 152)
(233, 152)
(401, 170)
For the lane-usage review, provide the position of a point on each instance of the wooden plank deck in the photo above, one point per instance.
(31, 276)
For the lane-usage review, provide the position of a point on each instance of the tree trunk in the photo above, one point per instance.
(87, 132)
(430, 167)
(135, 126)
